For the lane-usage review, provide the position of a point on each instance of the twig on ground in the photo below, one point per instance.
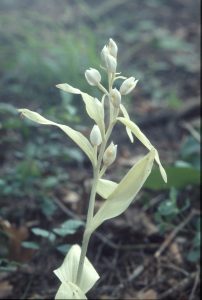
(66, 210)
(27, 288)
(113, 245)
(137, 272)
(180, 286)
(196, 282)
(192, 130)
(153, 202)
(176, 268)
(173, 234)
(98, 253)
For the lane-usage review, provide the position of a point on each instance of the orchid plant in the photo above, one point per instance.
(77, 275)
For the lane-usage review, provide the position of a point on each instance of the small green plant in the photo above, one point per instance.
(77, 275)
(168, 211)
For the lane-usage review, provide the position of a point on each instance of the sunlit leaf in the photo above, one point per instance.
(94, 107)
(76, 136)
(126, 115)
(144, 140)
(67, 272)
(105, 187)
(126, 190)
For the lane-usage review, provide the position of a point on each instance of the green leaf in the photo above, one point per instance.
(167, 208)
(194, 255)
(48, 206)
(50, 181)
(67, 272)
(44, 233)
(197, 239)
(76, 136)
(30, 245)
(64, 248)
(126, 190)
(8, 266)
(178, 177)
(94, 108)
(144, 140)
(68, 227)
(105, 187)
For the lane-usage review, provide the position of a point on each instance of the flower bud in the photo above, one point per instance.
(109, 60)
(113, 49)
(128, 85)
(111, 63)
(104, 53)
(115, 97)
(93, 76)
(95, 136)
(110, 154)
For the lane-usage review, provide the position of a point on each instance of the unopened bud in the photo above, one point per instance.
(93, 76)
(104, 53)
(95, 136)
(113, 49)
(110, 154)
(128, 85)
(111, 63)
(109, 60)
(115, 97)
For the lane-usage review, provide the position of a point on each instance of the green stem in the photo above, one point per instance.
(87, 232)
(96, 176)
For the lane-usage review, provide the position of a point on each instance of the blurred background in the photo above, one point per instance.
(152, 250)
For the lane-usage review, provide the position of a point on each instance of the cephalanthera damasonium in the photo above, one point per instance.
(77, 274)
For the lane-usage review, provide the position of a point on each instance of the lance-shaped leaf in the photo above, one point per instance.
(144, 140)
(126, 115)
(105, 187)
(119, 200)
(94, 108)
(76, 136)
(67, 274)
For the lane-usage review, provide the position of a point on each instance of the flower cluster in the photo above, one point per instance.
(76, 274)
(109, 59)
